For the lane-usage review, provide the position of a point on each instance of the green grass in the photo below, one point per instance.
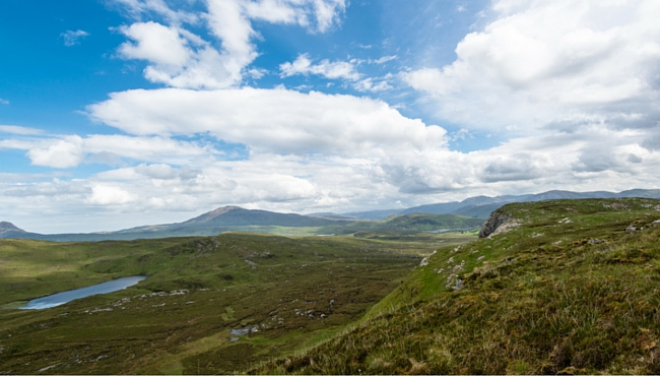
(567, 291)
(179, 319)
(408, 224)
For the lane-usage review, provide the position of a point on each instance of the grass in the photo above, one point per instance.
(572, 289)
(178, 321)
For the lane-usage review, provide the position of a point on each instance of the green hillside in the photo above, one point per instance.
(408, 223)
(289, 293)
(566, 286)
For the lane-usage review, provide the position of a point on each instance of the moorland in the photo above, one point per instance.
(555, 286)
(210, 304)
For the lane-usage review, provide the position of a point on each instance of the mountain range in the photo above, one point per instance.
(482, 206)
(233, 218)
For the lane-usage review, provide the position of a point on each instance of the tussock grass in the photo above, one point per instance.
(573, 289)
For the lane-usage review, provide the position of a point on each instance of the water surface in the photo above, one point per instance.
(67, 296)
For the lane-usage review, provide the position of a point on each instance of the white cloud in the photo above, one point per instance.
(70, 151)
(374, 176)
(278, 121)
(154, 42)
(4, 101)
(71, 37)
(109, 195)
(357, 180)
(140, 8)
(541, 63)
(373, 85)
(179, 58)
(15, 129)
(384, 59)
(257, 73)
(62, 153)
(335, 70)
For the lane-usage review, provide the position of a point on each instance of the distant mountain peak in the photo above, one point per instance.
(214, 214)
(8, 226)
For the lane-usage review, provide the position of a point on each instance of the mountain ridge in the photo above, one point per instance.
(235, 218)
(482, 206)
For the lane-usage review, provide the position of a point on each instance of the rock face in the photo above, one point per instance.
(493, 222)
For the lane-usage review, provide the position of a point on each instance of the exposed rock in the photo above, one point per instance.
(497, 223)
(631, 228)
(491, 224)
(458, 285)
(596, 241)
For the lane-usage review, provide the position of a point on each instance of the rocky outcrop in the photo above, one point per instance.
(496, 221)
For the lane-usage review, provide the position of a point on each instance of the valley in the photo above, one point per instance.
(282, 294)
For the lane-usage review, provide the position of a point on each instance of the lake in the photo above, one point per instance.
(67, 296)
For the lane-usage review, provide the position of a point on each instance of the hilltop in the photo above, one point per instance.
(7, 229)
(561, 286)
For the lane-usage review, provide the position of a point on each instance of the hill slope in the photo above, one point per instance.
(408, 223)
(228, 218)
(552, 287)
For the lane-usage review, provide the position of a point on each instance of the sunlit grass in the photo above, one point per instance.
(568, 291)
(178, 320)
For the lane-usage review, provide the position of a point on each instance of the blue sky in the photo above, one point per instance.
(116, 113)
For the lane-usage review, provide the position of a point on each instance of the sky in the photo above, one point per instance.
(119, 113)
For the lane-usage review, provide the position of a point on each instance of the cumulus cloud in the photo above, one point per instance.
(71, 37)
(62, 153)
(542, 62)
(109, 195)
(277, 121)
(331, 70)
(180, 58)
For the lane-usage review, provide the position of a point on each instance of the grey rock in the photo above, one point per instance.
(495, 220)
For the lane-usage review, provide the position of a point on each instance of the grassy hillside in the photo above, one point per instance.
(408, 223)
(571, 287)
(288, 293)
